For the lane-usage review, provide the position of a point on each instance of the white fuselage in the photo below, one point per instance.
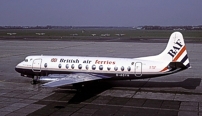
(119, 67)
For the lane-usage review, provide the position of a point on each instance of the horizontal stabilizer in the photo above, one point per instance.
(175, 65)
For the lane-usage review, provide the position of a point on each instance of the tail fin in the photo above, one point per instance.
(175, 50)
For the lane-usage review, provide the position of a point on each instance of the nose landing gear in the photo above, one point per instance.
(35, 80)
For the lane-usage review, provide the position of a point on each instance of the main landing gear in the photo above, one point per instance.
(35, 80)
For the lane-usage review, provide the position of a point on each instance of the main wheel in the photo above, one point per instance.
(35, 80)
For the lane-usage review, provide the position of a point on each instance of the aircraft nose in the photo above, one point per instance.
(17, 68)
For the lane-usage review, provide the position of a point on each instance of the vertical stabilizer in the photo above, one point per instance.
(175, 50)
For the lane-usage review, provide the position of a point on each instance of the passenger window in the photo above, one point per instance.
(108, 68)
(115, 68)
(87, 67)
(122, 68)
(72, 66)
(67, 66)
(80, 66)
(129, 68)
(59, 65)
(45, 65)
(100, 67)
(93, 67)
(26, 60)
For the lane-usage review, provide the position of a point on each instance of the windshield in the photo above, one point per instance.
(26, 60)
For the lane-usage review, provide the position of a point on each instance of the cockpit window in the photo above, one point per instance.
(26, 60)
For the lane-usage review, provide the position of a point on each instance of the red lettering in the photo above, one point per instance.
(105, 62)
(96, 62)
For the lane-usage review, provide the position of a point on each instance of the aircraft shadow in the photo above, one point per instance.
(189, 83)
(90, 90)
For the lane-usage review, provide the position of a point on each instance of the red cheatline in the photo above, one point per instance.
(164, 69)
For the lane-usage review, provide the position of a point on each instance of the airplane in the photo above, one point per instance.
(58, 71)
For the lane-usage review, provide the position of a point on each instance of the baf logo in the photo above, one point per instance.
(54, 60)
(177, 46)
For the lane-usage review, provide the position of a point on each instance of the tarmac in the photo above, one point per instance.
(177, 94)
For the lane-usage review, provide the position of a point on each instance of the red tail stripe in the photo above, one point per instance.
(179, 54)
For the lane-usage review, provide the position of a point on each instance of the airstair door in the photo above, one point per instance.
(138, 69)
(36, 65)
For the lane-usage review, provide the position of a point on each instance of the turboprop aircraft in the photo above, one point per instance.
(57, 71)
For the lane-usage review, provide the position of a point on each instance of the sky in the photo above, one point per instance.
(100, 12)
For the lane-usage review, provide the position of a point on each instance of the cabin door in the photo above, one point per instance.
(138, 69)
(36, 65)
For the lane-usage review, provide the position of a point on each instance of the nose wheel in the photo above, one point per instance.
(35, 80)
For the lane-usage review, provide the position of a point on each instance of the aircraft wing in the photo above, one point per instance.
(73, 79)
